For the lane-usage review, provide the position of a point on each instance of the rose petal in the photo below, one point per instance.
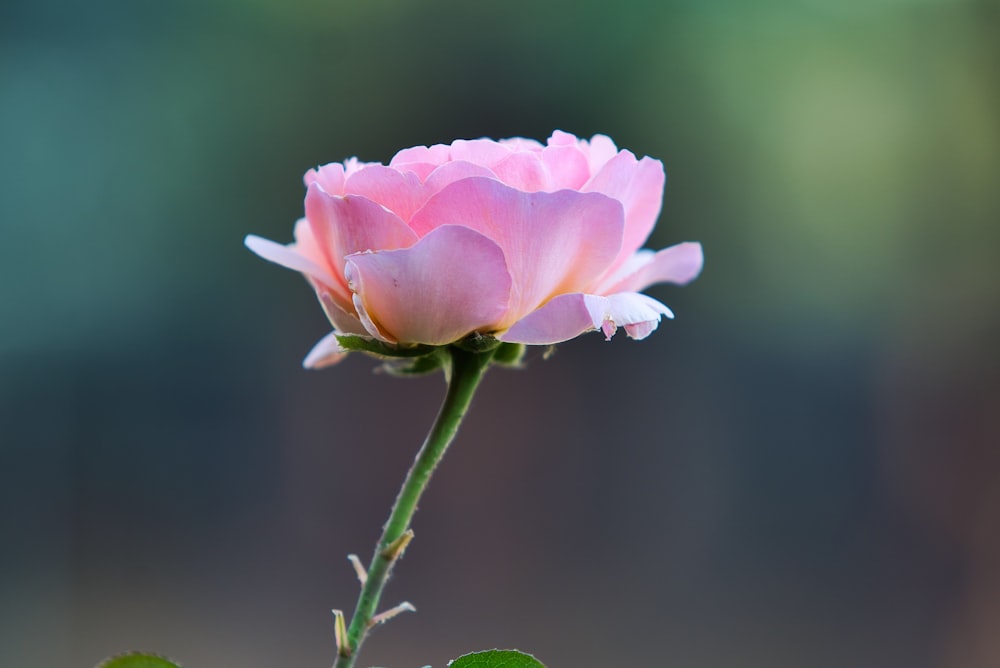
(560, 138)
(567, 316)
(351, 224)
(520, 144)
(637, 313)
(553, 242)
(371, 328)
(562, 318)
(600, 149)
(437, 154)
(567, 167)
(452, 282)
(326, 352)
(450, 172)
(400, 192)
(480, 151)
(523, 171)
(330, 178)
(638, 185)
(287, 257)
(340, 312)
(679, 264)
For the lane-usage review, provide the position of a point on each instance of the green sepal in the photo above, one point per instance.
(417, 366)
(510, 355)
(478, 343)
(138, 660)
(362, 344)
(497, 658)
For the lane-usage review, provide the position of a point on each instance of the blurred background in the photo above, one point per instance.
(801, 470)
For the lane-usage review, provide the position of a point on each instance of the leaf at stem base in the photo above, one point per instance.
(497, 658)
(137, 660)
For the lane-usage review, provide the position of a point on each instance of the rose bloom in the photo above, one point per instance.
(525, 242)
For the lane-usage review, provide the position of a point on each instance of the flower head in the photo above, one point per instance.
(524, 242)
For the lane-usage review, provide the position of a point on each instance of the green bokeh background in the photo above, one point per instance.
(802, 469)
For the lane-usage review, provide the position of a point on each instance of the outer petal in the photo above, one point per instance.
(638, 185)
(680, 264)
(520, 144)
(600, 149)
(400, 192)
(352, 224)
(597, 151)
(553, 243)
(330, 178)
(561, 138)
(523, 170)
(452, 282)
(437, 154)
(340, 313)
(479, 151)
(567, 316)
(567, 166)
(450, 172)
(326, 352)
(287, 257)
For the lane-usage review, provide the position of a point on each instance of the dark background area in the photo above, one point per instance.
(801, 470)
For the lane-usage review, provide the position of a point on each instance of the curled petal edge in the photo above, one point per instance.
(287, 257)
(678, 264)
(326, 352)
(567, 316)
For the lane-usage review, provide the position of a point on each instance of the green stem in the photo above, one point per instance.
(466, 371)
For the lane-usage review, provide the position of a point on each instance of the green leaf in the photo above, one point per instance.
(510, 355)
(362, 344)
(417, 366)
(497, 658)
(478, 343)
(137, 660)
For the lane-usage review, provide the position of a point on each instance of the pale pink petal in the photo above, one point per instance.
(616, 275)
(641, 330)
(480, 151)
(637, 313)
(340, 312)
(452, 282)
(330, 178)
(421, 160)
(553, 242)
(287, 257)
(679, 264)
(560, 138)
(437, 154)
(307, 245)
(521, 144)
(421, 169)
(450, 172)
(400, 192)
(524, 171)
(638, 185)
(567, 166)
(567, 316)
(352, 165)
(370, 326)
(326, 352)
(351, 224)
(600, 149)
(562, 318)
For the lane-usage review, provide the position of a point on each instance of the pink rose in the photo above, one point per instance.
(527, 243)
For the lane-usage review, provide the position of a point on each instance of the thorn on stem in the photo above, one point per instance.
(396, 548)
(359, 568)
(383, 617)
(340, 633)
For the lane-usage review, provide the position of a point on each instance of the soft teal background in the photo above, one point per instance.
(801, 470)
